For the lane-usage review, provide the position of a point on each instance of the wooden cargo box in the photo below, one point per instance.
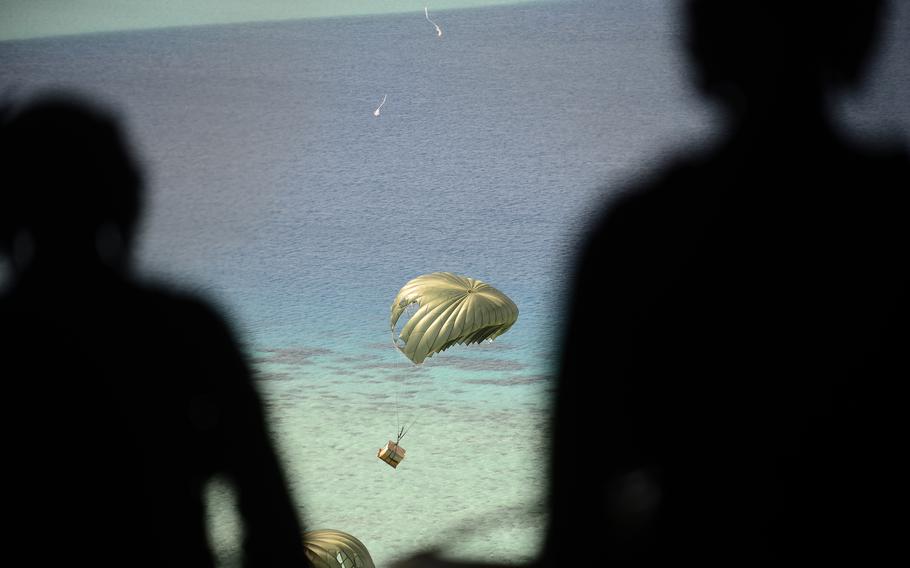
(391, 454)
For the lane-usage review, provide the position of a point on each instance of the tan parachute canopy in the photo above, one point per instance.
(335, 549)
(452, 309)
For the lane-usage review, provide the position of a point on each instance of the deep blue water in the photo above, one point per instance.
(275, 191)
(274, 188)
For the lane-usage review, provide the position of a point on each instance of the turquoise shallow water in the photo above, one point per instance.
(274, 191)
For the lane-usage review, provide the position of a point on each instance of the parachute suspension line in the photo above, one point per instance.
(401, 429)
(409, 311)
(405, 429)
(397, 418)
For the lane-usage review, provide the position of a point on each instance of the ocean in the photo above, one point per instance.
(275, 192)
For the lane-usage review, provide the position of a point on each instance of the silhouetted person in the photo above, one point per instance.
(729, 389)
(121, 401)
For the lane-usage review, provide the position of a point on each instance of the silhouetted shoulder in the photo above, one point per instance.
(191, 318)
(724, 313)
(644, 226)
(738, 190)
(891, 166)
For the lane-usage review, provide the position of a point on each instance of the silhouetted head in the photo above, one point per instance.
(71, 192)
(773, 51)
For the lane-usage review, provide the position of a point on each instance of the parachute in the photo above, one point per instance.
(329, 548)
(452, 309)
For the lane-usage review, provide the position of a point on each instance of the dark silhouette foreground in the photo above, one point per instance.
(121, 401)
(729, 387)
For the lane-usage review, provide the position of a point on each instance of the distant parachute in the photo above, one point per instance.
(376, 112)
(426, 12)
(335, 549)
(451, 309)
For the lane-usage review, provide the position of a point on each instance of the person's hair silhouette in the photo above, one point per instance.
(122, 400)
(727, 386)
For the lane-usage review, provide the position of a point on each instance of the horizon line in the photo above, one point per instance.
(32, 21)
